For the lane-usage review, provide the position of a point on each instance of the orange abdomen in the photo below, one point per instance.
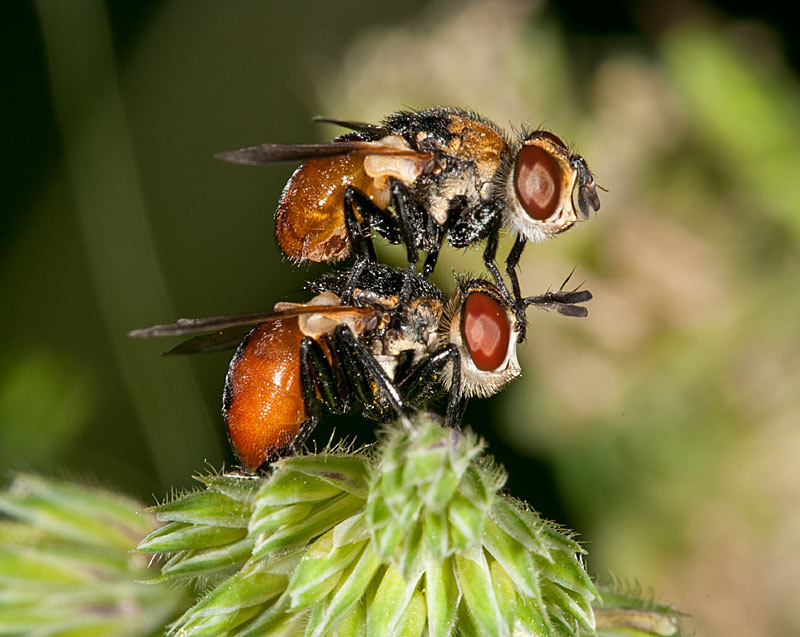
(309, 221)
(263, 400)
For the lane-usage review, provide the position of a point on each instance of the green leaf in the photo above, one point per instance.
(346, 472)
(233, 602)
(81, 514)
(567, 571)
(206, 562)
(318, 522)
(465, 521)
(575, 604)
(268, 519)
(287, 487)
(475, 582)
(412, 623)
(241, 487)
(524, 526)
(180, 536)
(435, 535)
(504, 592)
(351, 588)
(514, 558)
(353, 623)
(320, 569)
(206, 507)
(390, 603)
(442, 596)
(531, 616)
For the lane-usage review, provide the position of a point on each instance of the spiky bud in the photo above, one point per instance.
(406, 538)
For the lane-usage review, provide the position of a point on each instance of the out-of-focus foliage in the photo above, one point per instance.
(668, 417)
(67, 565)
(46, 394)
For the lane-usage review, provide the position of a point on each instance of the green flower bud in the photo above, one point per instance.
(408, 537)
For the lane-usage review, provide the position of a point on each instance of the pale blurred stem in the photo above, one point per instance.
(111, 212)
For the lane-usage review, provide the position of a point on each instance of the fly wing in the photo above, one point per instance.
(271, 153)
(374, 129)
(213, 342)
(226, 332)
(206, 324)
(310, 222)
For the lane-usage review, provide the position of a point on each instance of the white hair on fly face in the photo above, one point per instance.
(476, 382)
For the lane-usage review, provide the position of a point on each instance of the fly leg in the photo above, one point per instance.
(434, 235)
(319, 387)
(318, 381)
(565, 303)
(411, 224)
(426, 378)
(430, 262)
(512, 260)
(587, 188)
(481, 222)
(359, 232)
(369, 383)
(489, 261)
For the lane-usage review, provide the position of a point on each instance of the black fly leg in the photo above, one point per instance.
(360, 242)
(316, 371)
(430, 262)
(425, 379)
(360, 235)
(512, 260)
(587, 188)
(488, 260)
(369, 383)
(473, 225)
(408, 217)
(316, 374)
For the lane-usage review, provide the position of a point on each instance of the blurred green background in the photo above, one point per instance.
(664, 428)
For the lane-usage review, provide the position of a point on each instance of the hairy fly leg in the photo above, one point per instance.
(426, 378)
(318, 381)
(512, 260)
(412, 222)
(360, 234)
(481, 222)
(368, 381)
(587, 188)
(509, 297)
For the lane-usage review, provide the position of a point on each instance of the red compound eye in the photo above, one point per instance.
(486, 331)
(537, 180)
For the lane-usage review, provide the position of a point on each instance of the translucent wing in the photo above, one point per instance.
(226, 332)
(375, 129)
(270, 153)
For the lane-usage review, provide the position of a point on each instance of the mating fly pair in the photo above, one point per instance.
(373, 353)
(374, 338)
(419, 177)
